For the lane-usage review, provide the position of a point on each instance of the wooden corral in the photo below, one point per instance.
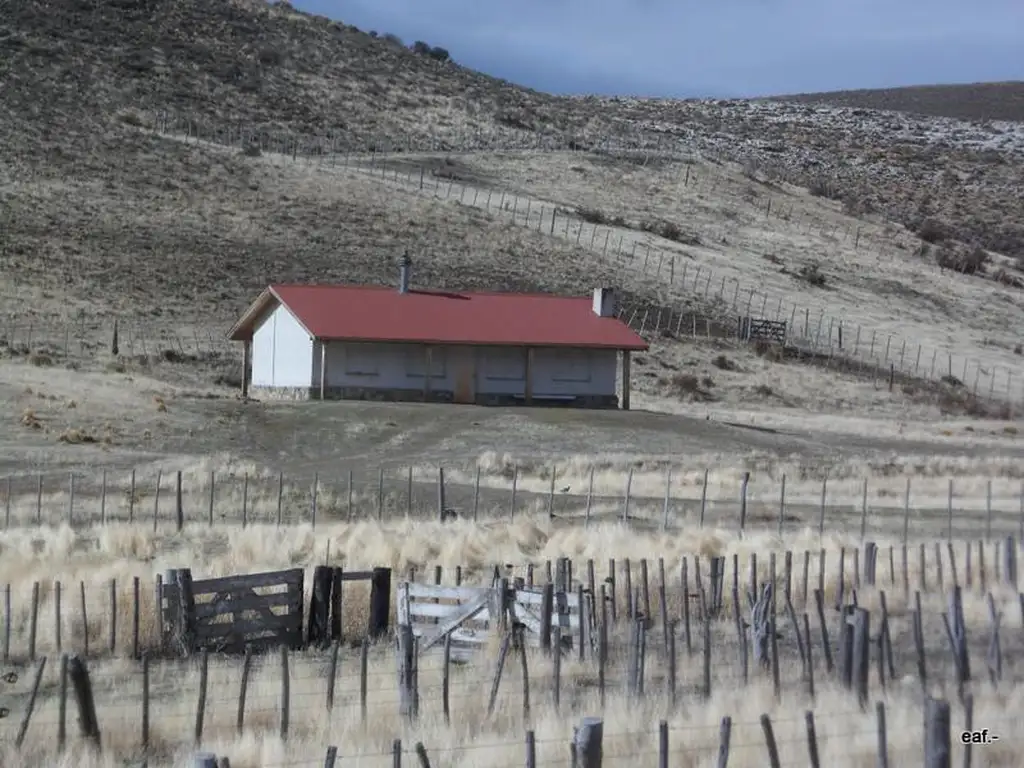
(471, 616)
(761, 329)
(225, 614)
(262, 610)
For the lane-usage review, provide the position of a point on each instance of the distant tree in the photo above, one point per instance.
(421, 48)
(440, 53)
(394, 40)
(372, 33)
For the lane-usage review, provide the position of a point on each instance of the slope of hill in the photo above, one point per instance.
(79, 79)
(982, 102)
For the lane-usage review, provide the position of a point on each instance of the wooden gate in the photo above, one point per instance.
(471, 615)
(226, 614)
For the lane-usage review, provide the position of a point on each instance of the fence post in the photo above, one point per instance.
(318, 631)
(440, 494)
(408, 694)
(178, 506)
(79, 677)
(182, 629)
(937, 753)
(380, 602)
(743, 501)
(587, 740)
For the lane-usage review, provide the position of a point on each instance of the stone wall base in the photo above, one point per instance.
(416, 396)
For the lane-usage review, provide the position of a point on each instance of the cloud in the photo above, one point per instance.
(731, 47)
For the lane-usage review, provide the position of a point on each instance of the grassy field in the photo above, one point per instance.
(95, 556)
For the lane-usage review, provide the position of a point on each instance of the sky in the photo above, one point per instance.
(722, 48)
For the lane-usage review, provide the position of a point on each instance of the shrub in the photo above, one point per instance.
(971, 262)
(434, 52)
(439, 53)
(822, 188)
(932, 231)
(812, 274)
(688, 385)
(670, 231)
(269, 56)
(592, 215)
(724, 363)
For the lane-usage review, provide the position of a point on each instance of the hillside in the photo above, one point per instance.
(95, 197)
(982, 102)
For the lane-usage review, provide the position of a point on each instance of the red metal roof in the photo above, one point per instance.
(371, 313)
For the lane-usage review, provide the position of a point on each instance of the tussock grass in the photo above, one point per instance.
(97, 555)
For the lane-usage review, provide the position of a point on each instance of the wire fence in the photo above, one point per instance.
(669, 499)
(984, 373)
(297, 698)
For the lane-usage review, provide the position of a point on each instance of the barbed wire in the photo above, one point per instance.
(174, 128)
(247, 496)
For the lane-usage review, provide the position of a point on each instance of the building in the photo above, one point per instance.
(379, 343)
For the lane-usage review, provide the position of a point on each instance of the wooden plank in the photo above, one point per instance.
(530, 615)
(356, 575)
(440, 610)
(240, 603)
(531, 598)
(293, 577)
(459, 635)
(430, 592)
(525, 616)
(257, 644)
(465, 612)
(208, 631)
(402, 603)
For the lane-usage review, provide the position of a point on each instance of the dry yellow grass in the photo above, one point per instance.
(97, 555)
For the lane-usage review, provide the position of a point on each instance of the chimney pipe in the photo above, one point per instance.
(404, 266)
(605, 303)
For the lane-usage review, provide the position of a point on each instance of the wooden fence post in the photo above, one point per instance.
(179, 508)
(318, 629)
(183, 620)
(743, 501)
(587, 740)
(408, 695)
(80, 682)
(861, 654)
(380, 602)
(937, 752)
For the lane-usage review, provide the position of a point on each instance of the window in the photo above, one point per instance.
(362, 360)
(570, 365)
(504, 364)
(416, 362)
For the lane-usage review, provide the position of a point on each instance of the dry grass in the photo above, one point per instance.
(981, 102)
(97, 555)
(807, 258)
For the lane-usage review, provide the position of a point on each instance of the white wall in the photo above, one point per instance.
(386, 366)
(574, 371)
(501, 371)
(282, 352)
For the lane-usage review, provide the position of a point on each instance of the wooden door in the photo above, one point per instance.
(465, 381)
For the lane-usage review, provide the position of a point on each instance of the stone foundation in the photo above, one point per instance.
(416, 396)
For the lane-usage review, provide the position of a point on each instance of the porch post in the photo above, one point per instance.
(246, 366)
(528, 384)
(323, 369)
(428, 353)
(624, 403)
